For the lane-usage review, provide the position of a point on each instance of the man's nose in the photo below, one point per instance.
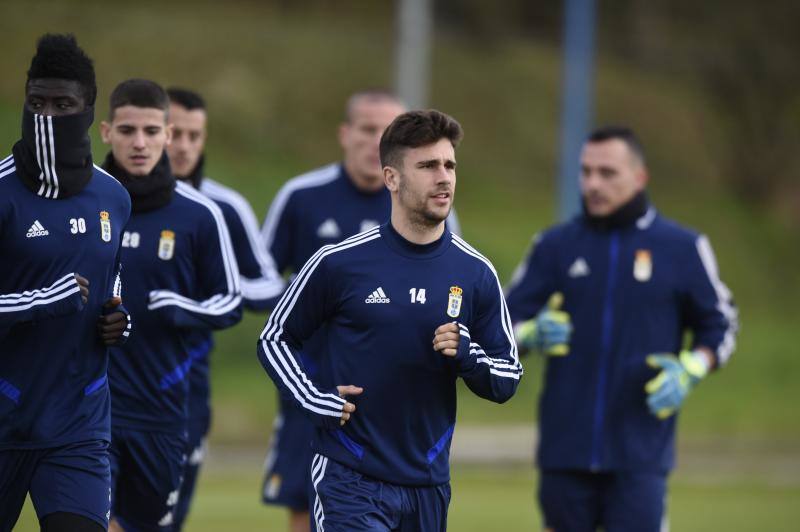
(138, 140)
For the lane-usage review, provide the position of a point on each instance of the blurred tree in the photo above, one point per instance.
(744, 56)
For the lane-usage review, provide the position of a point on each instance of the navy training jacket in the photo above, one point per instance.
(630, 292)
(53, 380)
(182, 276)
(260, 282)
(382, 298)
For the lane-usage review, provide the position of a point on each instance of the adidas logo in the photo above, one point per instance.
(37, 229)
(329, 229)
(579, 268)
(378, 296)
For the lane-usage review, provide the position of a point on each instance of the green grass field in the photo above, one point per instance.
(502, 499)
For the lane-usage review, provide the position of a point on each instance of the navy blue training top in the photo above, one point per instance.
(53, 385)
(381, 299)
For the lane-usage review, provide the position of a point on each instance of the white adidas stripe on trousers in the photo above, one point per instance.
(318, 466)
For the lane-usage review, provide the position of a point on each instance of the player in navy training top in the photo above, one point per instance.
(322, 207)
(61, 219)
(261, 284)
(183, 276)
(408, 308)
(632, 283)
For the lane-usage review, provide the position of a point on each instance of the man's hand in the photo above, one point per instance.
(83, 283)
(667, 390)
(111, 326)
(348, 407)
(549, 331)
(446, 338)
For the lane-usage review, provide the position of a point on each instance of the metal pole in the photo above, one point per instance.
(413, 51)
(576, 118)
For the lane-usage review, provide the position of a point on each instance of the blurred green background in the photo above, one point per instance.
(710, 89)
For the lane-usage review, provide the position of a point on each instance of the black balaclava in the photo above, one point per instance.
(148, 192)
(54, 156)
(626, 215)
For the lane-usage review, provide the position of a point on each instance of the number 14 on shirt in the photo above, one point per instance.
(417, 295)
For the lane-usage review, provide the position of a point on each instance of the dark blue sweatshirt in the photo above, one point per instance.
(181, 274)
(382, 298)
(631, 291)
(53, 385)
(260, 282)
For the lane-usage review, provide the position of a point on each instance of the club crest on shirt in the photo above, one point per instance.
(642, 266)
(105, 226)
(454, 301)
(166, 245)
(273, 486)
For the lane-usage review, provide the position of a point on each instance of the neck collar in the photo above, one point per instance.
(54, 156)
(625, 216)
(411, 250)
(195, 177)
(149, 192)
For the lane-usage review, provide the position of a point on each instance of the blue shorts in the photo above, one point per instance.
(288, 464)
(616, 502)
(146, 472)
(346, 500)
(195, 455)
(73, 478)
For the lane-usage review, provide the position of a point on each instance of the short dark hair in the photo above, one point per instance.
(414, 129)
(623, 133)
(186, 98)
(58, 56)
(138, 93)
(374, 94)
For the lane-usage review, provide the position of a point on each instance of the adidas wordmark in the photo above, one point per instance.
(37, 229)
(378, 296)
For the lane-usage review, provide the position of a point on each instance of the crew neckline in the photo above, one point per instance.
(411, 250)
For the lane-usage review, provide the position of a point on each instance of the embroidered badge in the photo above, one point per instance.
(166, 245)
(105, 226)
(454, 301)
(642, 266)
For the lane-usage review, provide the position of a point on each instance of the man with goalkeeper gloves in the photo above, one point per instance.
(607, 297)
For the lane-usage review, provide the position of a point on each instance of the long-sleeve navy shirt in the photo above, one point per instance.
(381, 298)
(53, 385)
(260, 282)
(631, 292)
(181, 274)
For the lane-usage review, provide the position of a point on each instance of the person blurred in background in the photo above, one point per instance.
(321, 207)
(261, 284)
(61, 221)
(608, 297)
(181, 275)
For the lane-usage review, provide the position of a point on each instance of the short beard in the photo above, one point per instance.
(419, 216)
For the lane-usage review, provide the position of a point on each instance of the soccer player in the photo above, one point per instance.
(260, 282)
(181, 275)
(61, 220)
(323, 207)
(631, 282)
(408, 308)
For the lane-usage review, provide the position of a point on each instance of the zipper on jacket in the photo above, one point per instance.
(605, 353)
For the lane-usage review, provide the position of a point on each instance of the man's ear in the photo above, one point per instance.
(344, 129)
(169, 131)
(642, 177)
(391, 178)
(105, 130)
